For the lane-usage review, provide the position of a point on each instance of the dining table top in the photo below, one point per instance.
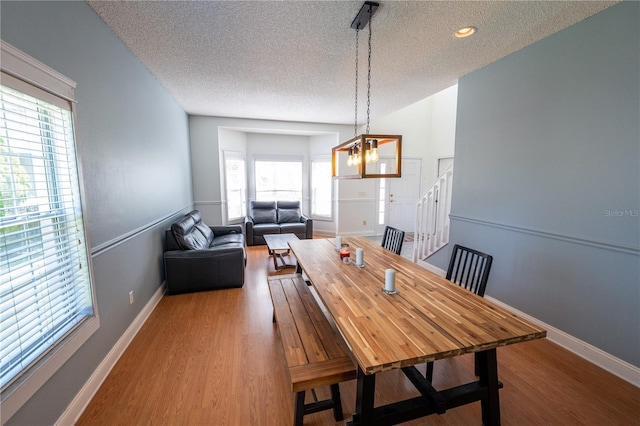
(429, 318)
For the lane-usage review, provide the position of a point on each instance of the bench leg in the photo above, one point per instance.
(301, 409)
(298, 415)
(337, 403)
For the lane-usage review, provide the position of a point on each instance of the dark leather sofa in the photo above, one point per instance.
(198, 257)
(276, 217)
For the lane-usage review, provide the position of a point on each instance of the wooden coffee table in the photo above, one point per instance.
(278, 246)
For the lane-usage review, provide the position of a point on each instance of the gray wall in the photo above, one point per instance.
(547, 158)
(133, 141)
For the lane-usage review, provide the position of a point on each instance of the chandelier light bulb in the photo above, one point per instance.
(374, 150)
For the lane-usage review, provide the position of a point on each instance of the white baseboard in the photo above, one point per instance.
(430, 267)
(358, 234)
(602, 359)
(82, 399)
(325, 234)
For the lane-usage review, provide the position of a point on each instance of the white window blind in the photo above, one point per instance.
(45, 287)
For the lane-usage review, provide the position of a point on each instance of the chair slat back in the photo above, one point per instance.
(469, 269)
(393, 239)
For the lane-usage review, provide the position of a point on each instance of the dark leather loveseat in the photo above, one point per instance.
(276, 217)
(199, 257)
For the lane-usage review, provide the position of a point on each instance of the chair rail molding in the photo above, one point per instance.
(562, 237)
(108, 245)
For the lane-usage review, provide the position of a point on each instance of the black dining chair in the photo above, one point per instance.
(469, 269)
(392, 239)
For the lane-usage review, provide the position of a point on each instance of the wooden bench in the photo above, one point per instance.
(315, 355)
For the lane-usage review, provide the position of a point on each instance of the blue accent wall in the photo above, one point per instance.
(547, 179)
(133, 142)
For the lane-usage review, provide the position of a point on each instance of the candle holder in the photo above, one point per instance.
(345, 253)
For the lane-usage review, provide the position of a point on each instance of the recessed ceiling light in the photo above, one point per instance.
(465, 32)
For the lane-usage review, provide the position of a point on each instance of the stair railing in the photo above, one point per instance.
(432, 217)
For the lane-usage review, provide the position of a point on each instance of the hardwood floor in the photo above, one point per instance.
(212, 358)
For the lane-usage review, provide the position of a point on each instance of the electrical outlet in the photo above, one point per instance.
(131, 297)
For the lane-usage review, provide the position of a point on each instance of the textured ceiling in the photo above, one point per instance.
(295, 60)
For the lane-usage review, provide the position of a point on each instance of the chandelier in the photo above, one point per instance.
(356, 153)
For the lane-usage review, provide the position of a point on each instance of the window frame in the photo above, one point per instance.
(312, 214)
(237, 156)
(278, 159)
(39, 76)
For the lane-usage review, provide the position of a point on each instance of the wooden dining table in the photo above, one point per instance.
(429, 318)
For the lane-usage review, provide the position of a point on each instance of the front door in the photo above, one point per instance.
(402, 194)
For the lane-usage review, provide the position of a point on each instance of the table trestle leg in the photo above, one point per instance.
(423, 385)
(365, 392)
(487, 369)
(432, 401)
(428, 374)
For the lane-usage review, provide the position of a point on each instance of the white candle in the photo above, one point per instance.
(390, 280)
(359, 256)
(338, 242)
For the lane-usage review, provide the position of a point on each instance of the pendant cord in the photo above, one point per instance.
(369, 75)
(355, 120)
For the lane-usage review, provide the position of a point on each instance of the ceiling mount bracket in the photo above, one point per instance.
(366, 12)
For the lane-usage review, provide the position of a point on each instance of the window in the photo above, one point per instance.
(46, 295)
(278, 180)
(321, 184)
(236, 185)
